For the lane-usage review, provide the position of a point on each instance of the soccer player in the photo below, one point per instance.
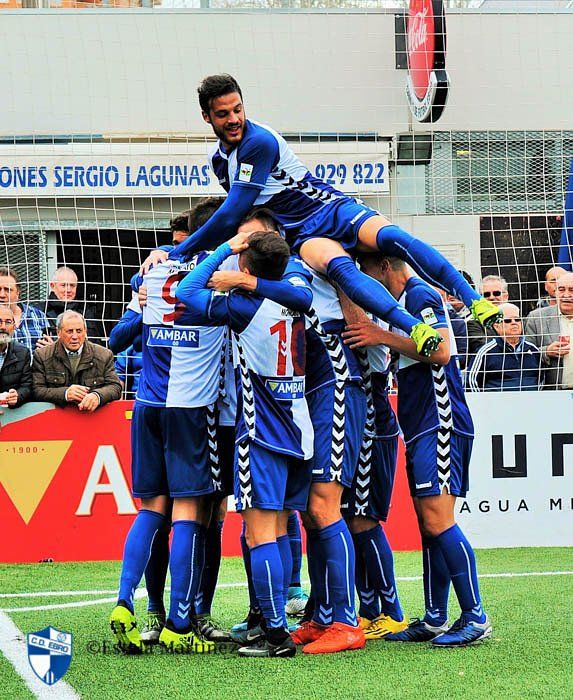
(337, 405)
(224, 280)
(438, 432)
(257, 168)
(173, 454)
(122, 335)
(367, 502)
(273, 432)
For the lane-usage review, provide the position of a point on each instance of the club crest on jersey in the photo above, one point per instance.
(286, 389)
(245, 172)
(49, 653)
(161, 337)
(429, 317)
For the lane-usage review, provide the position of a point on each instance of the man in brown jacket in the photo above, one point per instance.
(73, 370)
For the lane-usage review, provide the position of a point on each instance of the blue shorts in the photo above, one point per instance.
(269, 480)
(173, 451)
(336, 449)
(371, 490)
(226, 452)
(431, 470)
(339, 221)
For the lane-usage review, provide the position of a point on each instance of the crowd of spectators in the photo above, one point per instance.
(57, 354)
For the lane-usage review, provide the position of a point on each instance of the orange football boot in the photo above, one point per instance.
(308, 632)
(338, 637)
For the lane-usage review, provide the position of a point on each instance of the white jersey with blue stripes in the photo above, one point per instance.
(181, 360)
(379, 355)
(329, 360)
(270, 354)
(264, 160)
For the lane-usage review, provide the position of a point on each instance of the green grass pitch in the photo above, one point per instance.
(530, 654)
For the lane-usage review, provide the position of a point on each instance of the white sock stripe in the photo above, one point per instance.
(430, 600)
(269, 579)
(192, 570)
(350, 597)
(469, 572)
(379, 562)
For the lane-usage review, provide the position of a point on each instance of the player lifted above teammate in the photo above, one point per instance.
(257, 167)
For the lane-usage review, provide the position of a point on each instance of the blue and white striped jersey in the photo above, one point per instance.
(328, 358)
(181, 359)
(386, 424)
(264, 160)
(430, 396)
(270, 352)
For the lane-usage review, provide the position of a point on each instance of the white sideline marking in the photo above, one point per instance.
(13, 646)
(141, 592)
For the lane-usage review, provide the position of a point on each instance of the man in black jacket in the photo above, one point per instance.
(15, 369)
(63, 292)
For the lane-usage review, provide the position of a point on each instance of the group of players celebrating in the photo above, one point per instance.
(265, 373)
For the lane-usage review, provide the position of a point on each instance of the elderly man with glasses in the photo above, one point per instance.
(551, 329)
(507, 362)
(15, 369)
(493, 288)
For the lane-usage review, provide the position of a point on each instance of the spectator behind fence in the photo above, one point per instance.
(63, 293)
(15, 370)
(74, 370)
(494, 289)
(508, 362)
(31, 326)
(551, 277)
(551, 328)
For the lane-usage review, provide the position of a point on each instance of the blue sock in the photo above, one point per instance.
(375, 549)
(436, 582)
(369, 600)
(322, 611)
(283, 543)
(337, 556)
(253, 603)
(295, 538)
(268, 583)
(185, 566)
(156, 571)
(208, 583)
(136, 552)
(430, 264)
(461, 562)
(368, 293)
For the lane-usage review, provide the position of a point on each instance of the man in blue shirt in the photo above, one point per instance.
(508, 362)
(438, 433)
(255, 165)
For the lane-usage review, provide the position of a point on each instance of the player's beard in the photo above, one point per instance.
(231, 140)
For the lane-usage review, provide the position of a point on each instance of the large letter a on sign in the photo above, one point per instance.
(106, 459)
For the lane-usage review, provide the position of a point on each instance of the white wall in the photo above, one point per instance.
(136, 71)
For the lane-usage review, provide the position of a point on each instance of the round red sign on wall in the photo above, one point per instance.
(428, 82)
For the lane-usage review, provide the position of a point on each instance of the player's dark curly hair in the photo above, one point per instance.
(267, 255)
(264, 216)
(192, 219)
(202, 212)
(215, 86)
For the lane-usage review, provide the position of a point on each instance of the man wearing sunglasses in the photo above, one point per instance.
(494, 289)
(507, 362)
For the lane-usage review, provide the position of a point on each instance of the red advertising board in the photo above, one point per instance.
(65, 487)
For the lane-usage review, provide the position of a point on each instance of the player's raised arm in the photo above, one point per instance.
(192, 290)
